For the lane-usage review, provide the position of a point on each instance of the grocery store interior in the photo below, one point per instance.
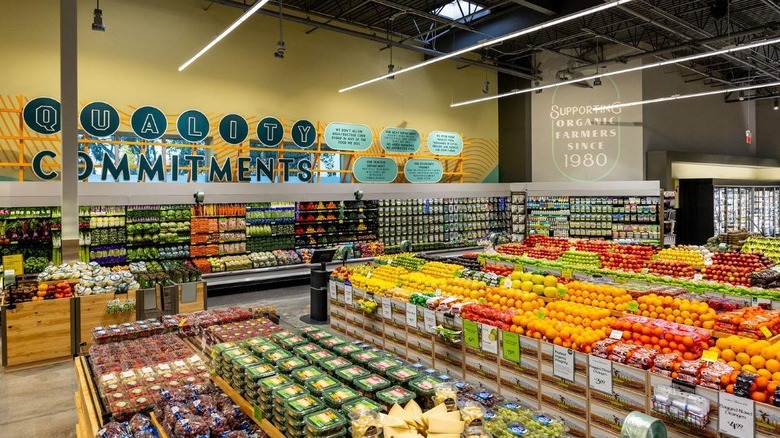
(398, 218)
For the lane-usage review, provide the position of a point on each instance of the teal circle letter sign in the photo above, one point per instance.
(270, 132)
(348, 137)
(149, 123)
(233, 129)
(304, 134)
(445, 143)
(99, 119)
(375, 170)
(193, 126)
(421, 171)
(43, 115)
(400, 140)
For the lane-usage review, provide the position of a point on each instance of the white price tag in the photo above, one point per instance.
(438, 292)
(736, 416)
(600, 374)
(563, 363)
(616, 334)
(348, 293)
(508, 283)
(411, 315)
(387, 308)
(429, 316)
(332, 289)
(698, 277)
(489, 339)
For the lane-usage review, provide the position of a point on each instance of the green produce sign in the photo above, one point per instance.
(348, 137)
(42, 115)
(375, 170)
(420, 171)
(400, 140)
(445, 143)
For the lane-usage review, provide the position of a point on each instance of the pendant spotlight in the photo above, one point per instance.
(97, 19)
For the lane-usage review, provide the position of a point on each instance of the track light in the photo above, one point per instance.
(741, 95)
(486, 89)
(597, 82)
(97, 19)
(776, 104)
(259, 4)
(390, 69)
(536, 84)
(279, 53)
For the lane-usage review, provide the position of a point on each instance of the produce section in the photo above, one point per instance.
(33, 232)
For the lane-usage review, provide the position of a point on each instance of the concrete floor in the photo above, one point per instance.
(40, 402)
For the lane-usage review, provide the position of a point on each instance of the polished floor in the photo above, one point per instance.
(40, 402)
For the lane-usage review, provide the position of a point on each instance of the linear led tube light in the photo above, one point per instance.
(682, 96)
(620, 72)
(491, 42)
(259, 4)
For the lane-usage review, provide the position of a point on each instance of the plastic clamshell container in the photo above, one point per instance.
(394, 395)
(279, 336)
(346, 350)
(241, 363)
(249, 343)
(286, 393)
(325, 422)
(350, 373)
(333, 364)
(262, 348)
(269, 384)
(229, 355)
(369, 385)
(317, 356)
(402, 375)
(382, 365)
(221, 348)
(301, 375)
(293, 341)
(317, 385)
(332, 342)
(288, 364)
(304, 349)
(275, 355)
(299, 407)
(361, 403)
(363, 357)
(320, 335)
(308, 330)
(257, 372)
(423, 386)
(337, 397)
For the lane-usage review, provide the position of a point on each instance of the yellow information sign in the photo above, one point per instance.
(15, 262)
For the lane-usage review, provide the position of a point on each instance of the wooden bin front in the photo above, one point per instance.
(38, 331)
(92, 313)
(200, 297)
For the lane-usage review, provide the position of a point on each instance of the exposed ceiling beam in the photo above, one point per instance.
(535, 7)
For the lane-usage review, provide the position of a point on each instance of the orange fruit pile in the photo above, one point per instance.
(681, 311)
(597, 295)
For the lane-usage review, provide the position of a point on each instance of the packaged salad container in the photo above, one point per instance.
(332, 342)
(286, 393)
(333, 364)
(394, 395)
(350, 373)
(304, 349)
(319, 384)
(301, 375)
(424, 388)
(382, 365)
(369, 385)
(288, 364)
(317, 356)
(308, 330)
(279, 336)
(275, 355)
(293, 341)
(360, 404)
(269, 384)
(346, 350)
(249, 343)
(363, 357)
(255, 373)
(217, 350)
(241, 363)
(337, 397)
(259, 349)
(402, 375)
(320, 336)
(325, 423)
(299, 407)
(229, 355)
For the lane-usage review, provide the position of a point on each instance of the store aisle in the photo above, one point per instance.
(39, 402)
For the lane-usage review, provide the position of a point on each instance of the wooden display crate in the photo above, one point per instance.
(87, 405)
(188, 291)
(37, 332)
(92, 313)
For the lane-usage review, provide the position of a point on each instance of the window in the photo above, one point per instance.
(460, 9)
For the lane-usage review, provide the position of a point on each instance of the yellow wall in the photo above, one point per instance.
(135, 62)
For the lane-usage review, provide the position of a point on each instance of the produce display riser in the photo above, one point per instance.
(88, 407)
(37, 332)
(92, 313)
(533, 379)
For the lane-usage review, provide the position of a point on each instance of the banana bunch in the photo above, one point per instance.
(367, 306)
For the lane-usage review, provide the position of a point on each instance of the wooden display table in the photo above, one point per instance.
(88, 410)
(37, 332)
(246, 407)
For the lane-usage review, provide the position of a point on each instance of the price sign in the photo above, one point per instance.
(332, 289)
(387, 308)
(257, 413)
(15, 262)
(508, 283)
(600, 374)
(621, 280)
(510, 346)
(471, 333)
(348, 293)
(762, 302)
(632, 306)
(616, 334)
(766, 331)
(698, 277)
(736, 416)
(563, 363)
(411, 315)
(489, 339)
(438, 292)
(429, 316)
(566, 273)
(709, 356)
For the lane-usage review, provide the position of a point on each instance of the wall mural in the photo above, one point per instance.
(146, 144)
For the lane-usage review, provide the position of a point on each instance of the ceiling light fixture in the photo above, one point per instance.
(97, 19)
(539, 88)
(492, 42)
(776, 104)
(259, 4)
(684, 96)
